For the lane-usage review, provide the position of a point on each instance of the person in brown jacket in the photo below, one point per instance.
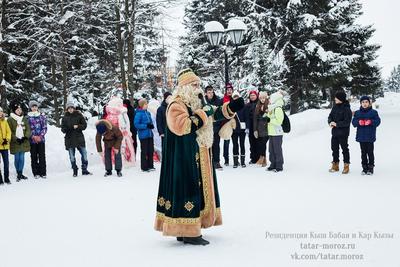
(112, 138)
(260, 127)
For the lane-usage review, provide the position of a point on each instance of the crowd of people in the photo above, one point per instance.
(122, 126)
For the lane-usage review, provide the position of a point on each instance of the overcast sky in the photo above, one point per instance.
(383, 14)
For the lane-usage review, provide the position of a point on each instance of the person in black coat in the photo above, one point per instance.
(339, 120)
(239, 136)
(214, 100)
(131, 116)
(249, 111)
(161, 118)
(72, 125)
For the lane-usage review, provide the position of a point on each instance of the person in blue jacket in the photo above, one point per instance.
(144, 126)
(366, 119)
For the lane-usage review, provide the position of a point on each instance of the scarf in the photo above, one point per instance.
(19, 132)
(34, 114)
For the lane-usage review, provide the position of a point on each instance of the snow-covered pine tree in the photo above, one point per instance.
(392, 83)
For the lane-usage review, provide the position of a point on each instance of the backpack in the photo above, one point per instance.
(285, 123)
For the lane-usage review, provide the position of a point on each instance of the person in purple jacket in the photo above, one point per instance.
(38, 125)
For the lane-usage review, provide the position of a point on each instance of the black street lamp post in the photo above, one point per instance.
(215, 32)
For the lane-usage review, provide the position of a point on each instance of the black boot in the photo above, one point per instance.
(23, 177)
(370, 170)
(19, 177)
(235, 161)
(226, 162)
(242, 161)
(119, 173)
(108, 173)
(75, 172)
(195, 241)
(86, 172)
(217, 166)
(364, 170)
(179, 238)
(1, 179)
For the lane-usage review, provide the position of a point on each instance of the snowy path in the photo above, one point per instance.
(94, 221)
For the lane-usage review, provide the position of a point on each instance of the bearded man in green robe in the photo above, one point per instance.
(188, 198)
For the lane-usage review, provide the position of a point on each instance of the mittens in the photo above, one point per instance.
(236, 105)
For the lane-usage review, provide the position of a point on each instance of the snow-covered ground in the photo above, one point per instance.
(102, 222)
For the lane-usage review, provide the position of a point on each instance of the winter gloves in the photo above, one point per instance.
(367, 122)
(150, 126)
(21, 140)
(236, 105)
(208, 109)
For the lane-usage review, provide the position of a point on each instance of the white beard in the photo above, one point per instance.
(205, 135)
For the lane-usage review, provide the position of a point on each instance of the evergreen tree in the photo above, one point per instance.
(393, 82)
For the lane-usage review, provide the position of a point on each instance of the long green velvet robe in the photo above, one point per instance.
(188, 198)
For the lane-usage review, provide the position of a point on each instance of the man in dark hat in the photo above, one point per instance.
(339, 120)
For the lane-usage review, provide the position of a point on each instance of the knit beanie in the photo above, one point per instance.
(263, 95)
(365, 97)
(341, 95)
(33, 103)
(253, 92)
(14, 107)
(187, 76)
(142, 102)
(70, 104)
(101, 128)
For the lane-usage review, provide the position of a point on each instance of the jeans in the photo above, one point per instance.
(38, 159)
(6, 162)
(19, 161)
(238, 139)
(226, 150)
(254, 156)
(108, 160)
(83, 152)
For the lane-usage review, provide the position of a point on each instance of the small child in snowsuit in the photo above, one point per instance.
(366, 119)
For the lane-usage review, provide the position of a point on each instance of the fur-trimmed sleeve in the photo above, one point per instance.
(179, 121)
(223, 113)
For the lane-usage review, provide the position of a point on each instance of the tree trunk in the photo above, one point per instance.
(120, 48)
(294, 99)
(3, 58)
(55, 93)
(130, 28)
(64, 64)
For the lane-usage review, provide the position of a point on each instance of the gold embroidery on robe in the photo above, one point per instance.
(167, 205)
(189, 206)
(161, 201)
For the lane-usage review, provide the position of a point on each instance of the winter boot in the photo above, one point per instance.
(86, 172)
(195, 241)
(242, 161)
(218, 166)
(1, 179)
(108, 173)
(226, 162)
(370, 170)
(179, 238)
(260, 160)
(7, 180)
(235, 161)
(346, 168)
(119, 173)
(364, 170)
(335, 167)
(264, 162)
(75, 172)
(271, 169)
(23, 177)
